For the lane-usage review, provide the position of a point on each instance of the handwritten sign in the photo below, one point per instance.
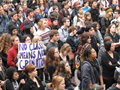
(31, 53)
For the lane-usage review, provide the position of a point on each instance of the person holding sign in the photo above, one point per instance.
(32, 81)
(13, 51)
(51, 61)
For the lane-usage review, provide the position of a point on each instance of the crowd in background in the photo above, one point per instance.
(82, 35)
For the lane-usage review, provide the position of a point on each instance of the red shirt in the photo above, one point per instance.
(11, 56)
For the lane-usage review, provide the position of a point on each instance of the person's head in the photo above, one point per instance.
(13, 16)
(5, 7)
(19, 13)
(19, 7)
(88, 16)
(12, 74)
(118, 80)
(42, 8)
(100, 6)
(76, 4)
(24, 6)
(29, 30)
(63, 68)
(109, 46)
(37, 39)
(25, 39)
(96, 25)
(30, 71)
(64, 4)
(54, 35)
(73, 30)
(55, 9)
(15, 40)
(116, 14)
(108, 11)
(37, 20)
(87, 23)
(30, 12)
(65, 49)
(9, 3)
(66, 22)
(111, 29)
(21, 1)
(54, 21)
(80, 10)
(107, 38)
(89, 53)
(35, 10)
(13, 30)
(85, 38)
(90, 30)
(5, 43)
(69, 3)
(85, 4)
(42, 23)
(1, 10)
(94, 3)
(54, 15)
(116, 7)
(52, 57)
(58, 83)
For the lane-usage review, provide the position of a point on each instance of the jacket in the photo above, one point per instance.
(113, 87)
(2, 28)
(11, 56)
(31, 85)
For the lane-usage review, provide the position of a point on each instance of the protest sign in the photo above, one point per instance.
(31, 53)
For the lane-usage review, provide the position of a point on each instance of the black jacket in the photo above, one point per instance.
(113, 87)
(94, 14)
(31, 85)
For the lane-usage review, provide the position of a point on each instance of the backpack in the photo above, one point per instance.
(77, 56)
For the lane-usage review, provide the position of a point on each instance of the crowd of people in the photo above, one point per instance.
(82, 35)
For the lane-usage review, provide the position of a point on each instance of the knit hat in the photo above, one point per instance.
(10, 72)
(12, 27)
(75, 3)
(107, 9)
(53, 19)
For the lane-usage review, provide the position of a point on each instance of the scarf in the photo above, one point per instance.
(15, 85)
(95, 69)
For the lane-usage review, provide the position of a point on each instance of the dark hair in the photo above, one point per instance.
(93, 1)
(23, 38)
(37, 19)
(12, 14)
(10, 72)
(107, 38)
(71, 29)
(95, 25)
(117, 11)
(88, 27)
(52, 33)
(27, 29)
(87, 23)
(18, 11)
(79, 8)
(87, 52)
(84, 38)
(108, 45)
(29, 10)
(118, 81)
(54, 7)
(64, 20)
(84, 3)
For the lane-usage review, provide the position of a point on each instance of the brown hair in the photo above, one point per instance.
(107, 38)
(13, 38)
(65, 47)
(82, 51)
(44, 3)
(64, 3)
(35, 39)
(95, 25)
(28, 69)
(61, 69)
(98, 4)
(87, 14)
(40, 23)
(71, 29)
(84, 38)
(50, 58)
(108, 29)
(5, 43)
(53, 26)
(107, 16)
(18, 7)
(52, 33)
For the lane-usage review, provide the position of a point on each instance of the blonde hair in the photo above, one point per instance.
(40, 23)
(107, 16)
(35, 39)
(65, 47)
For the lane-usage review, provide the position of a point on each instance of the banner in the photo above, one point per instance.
(31, 53)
